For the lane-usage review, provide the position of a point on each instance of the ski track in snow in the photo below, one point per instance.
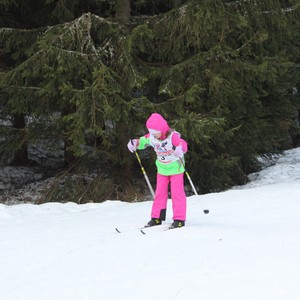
(246, 248)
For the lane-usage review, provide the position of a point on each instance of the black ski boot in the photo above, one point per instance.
(177, 224)
(153, 222)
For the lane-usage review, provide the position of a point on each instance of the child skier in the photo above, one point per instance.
(170, 149)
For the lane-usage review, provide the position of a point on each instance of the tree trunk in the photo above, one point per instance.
(69, 157)
(126, 157)
(21, 155)
(123, 10)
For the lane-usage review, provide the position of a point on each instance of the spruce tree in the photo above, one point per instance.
(223, 72)
(53, 80)
(90, 73)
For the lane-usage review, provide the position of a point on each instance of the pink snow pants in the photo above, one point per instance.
(177, 194)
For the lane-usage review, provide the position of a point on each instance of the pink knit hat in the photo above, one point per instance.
(157, 123)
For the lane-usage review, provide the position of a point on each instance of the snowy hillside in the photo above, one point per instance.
(246, 248)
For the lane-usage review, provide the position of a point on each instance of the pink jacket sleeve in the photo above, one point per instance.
(177, 140)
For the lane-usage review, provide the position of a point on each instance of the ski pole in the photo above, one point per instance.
(145, 174)
(206, 211)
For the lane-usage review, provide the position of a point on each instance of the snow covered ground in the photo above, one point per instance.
(246, 248)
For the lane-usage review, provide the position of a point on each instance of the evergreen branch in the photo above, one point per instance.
(37, 57)
(103, 20)
(78, 30)
(82, 17)
(286, 10)
(21, 87)
(18, 30)
(29, 60)
(253, 38)
(73, 52)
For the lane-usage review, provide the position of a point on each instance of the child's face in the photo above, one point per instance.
(157, 135)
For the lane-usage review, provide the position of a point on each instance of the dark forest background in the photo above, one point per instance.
(81, 78)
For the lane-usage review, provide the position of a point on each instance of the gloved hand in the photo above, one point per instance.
(178, 152)
(132, 145)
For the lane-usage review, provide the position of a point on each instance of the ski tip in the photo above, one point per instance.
(143, 232)
(117, 230)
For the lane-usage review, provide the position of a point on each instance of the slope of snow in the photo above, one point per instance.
(246, 248)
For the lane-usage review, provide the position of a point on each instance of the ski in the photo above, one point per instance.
(144, 230)
(127, 230)
(159, 228)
